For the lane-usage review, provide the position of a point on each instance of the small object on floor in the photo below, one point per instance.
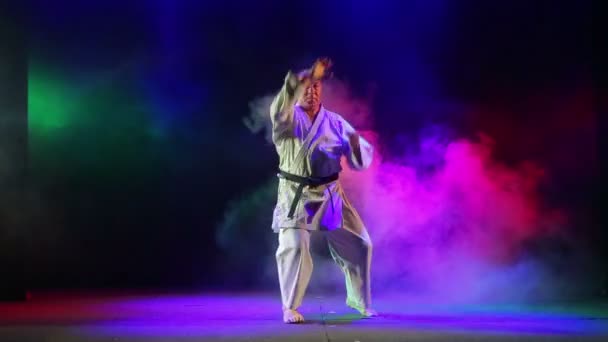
(292, 317)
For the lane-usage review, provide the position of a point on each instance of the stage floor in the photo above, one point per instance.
(257, 317)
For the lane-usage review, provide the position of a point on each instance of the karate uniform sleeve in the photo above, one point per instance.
(282, 107)
(365, 148)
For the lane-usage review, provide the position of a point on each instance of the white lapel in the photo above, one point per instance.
(307, 142)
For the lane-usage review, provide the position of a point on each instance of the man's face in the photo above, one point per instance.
(312, 96)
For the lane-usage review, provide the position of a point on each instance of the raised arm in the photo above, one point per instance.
(282, 107)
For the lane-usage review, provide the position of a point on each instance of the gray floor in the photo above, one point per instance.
(256, 317)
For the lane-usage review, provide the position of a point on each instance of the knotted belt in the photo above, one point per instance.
(305, 181)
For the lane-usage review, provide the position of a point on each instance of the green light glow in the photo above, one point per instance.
(52, 103)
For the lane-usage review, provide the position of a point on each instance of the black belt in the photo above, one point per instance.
(305, 181)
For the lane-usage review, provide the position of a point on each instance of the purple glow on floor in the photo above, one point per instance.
(239, 315)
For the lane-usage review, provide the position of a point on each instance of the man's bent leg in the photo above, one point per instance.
(351, 248)
(353, 253)
(294, 264)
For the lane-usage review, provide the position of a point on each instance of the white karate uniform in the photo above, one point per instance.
(314, 149)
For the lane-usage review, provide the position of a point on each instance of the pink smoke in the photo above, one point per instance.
(458, 232)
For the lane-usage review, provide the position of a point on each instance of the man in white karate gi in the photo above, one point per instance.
(310, 141)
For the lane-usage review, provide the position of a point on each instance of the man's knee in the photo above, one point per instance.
(366, 246)
(292, 241)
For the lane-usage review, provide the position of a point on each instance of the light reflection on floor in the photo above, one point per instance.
(247, 316)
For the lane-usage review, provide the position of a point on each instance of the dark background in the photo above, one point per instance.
(121, 127)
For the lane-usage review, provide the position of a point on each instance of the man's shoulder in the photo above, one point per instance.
(333, 115)
(335, 120)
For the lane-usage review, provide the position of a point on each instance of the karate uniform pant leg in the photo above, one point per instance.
(351, 248)
(294, 263)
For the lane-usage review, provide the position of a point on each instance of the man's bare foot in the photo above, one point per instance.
(365, 312)
(369, 312)
(292, 316)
